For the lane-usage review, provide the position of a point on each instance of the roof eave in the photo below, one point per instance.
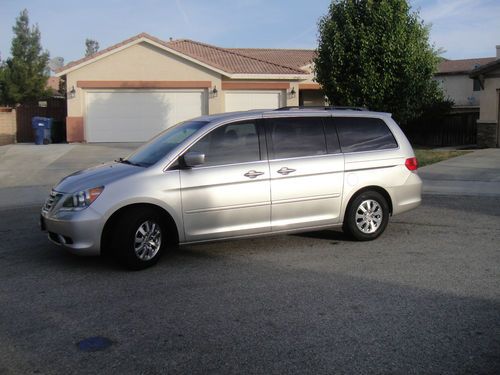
(458, 72)
(268, 76)
(134, 42)
(297, 76)
(485, 69)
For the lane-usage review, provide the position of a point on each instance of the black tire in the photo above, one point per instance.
(370, 227)
(126, 229)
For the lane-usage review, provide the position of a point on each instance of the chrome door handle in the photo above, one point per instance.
(253, 174)
(285, 171)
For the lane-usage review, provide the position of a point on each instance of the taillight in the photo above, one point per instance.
(411, 164)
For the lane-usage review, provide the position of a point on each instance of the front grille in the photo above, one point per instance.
(51, 201)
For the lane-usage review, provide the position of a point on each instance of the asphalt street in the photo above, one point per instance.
(424, 298)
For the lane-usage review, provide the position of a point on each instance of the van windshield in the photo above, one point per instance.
(163, 143)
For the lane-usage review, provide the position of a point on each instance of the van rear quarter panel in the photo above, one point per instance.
(383, 168)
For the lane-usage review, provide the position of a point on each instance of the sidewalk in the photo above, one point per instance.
(475, 174)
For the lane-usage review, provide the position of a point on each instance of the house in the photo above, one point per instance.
(134, 89)
(488, 125)
(453, 77)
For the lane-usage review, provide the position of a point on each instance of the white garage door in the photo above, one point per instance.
(136, 116)
(245, 100)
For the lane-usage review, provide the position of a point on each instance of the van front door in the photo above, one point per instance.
(228, 195)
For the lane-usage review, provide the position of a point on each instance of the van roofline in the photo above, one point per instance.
(291, 111)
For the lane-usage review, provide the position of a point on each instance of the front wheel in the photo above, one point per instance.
(139, 238)
(367, 216)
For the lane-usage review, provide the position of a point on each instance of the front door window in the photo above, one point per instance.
(230, 144)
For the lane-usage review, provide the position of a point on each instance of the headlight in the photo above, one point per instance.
(82, 199)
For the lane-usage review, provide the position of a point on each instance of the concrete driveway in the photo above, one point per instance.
(474, 174)
(27, 172)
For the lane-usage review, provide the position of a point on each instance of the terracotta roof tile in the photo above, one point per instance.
(486, 68)
(224, 59)
(464, 66)
(230, 60)
(294, 58)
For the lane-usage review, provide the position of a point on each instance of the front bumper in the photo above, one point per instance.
(78, 231)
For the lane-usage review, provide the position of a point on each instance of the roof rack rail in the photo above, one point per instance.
(326, 108)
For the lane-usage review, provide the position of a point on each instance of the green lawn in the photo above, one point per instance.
(426, 157)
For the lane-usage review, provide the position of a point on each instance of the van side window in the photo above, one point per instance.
(294, 137)
(229, 144)
(364, 134)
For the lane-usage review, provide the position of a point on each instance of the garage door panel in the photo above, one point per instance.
(246, 100)
(136, 116)
(190, 103)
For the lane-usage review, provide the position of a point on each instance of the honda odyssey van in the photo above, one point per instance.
(236, 175)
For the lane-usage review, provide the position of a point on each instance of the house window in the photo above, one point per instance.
(476, 86)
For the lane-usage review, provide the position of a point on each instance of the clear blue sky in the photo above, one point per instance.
(463, 28)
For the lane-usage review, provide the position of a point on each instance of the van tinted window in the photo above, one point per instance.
(295, 137)
(364, 134)
(228, 144)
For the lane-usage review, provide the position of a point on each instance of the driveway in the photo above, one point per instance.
(27, 172)
(474, 174)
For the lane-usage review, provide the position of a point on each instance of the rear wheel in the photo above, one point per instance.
(367, 216)
(140, 238)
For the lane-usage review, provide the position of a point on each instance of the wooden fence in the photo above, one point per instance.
(53, 107)
(455, 129)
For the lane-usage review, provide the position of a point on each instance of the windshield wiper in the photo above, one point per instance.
(125, 161)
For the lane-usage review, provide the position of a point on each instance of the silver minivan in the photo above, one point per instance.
(235, 175)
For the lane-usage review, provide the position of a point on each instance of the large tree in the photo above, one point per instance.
(24, 75)
(91, 46)
(376, 53)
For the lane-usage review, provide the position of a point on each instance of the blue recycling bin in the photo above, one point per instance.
(41, 127)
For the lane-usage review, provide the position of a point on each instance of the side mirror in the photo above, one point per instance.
(193, 158)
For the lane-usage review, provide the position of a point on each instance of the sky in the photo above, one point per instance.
(462, 28)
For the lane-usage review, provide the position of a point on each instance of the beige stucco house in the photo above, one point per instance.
(453, 77)
(488, 125)
(134, 89)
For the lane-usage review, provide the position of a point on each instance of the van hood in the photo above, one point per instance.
(100, 175)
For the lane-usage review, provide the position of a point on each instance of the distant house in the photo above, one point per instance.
(53, 83)
(453, 77)
(487, 77)
(474, 85)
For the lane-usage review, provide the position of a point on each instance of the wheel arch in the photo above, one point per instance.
(112, 220)
(376, 188)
